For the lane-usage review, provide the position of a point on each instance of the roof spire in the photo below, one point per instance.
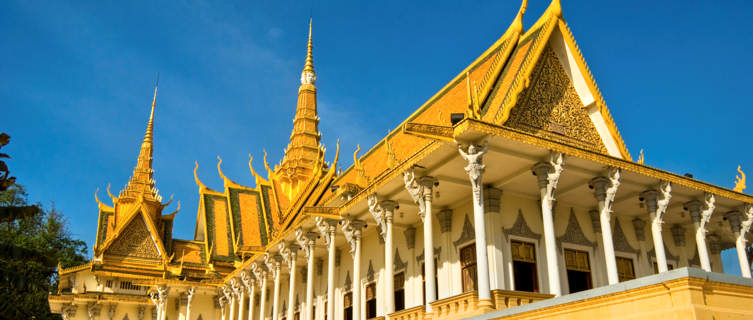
(517, 24)
(142, 179)
(308, 76)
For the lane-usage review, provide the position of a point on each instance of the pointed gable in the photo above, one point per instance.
(135, 241)
(547, 89)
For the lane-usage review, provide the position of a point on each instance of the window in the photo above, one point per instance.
(625, 269)
(656, 267)
(436, 279)
(348, 306)
(578, 270)
(468, 267)
(128, 285)
(399, 291)
(371, 301)
(524, 266)
(108, 283)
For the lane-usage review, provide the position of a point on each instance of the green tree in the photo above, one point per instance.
(31, 245)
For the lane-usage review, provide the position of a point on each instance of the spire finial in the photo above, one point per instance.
(142, 179)
(308, 76)
(517, 24)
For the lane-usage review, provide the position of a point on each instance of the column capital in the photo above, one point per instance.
(678, 235)
(548, 172)
(273, 261)
(640, 229)
(734, 219)
(657, 201)
(445, 220)
(289, 252)
(382, 211)
(410, 237)
(492, 198)
(352, 231)
(327, 228)
(306, 240)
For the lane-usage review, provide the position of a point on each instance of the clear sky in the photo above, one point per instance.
(76, 83)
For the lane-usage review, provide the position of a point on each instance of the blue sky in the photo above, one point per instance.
(76, 83)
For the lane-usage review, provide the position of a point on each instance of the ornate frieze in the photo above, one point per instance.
(370, 272)
(135, 241)
(468, 233)
(621, 243)
(398, 263)
(520, 228)
(574, 234)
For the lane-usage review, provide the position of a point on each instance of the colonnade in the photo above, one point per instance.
(420, 189)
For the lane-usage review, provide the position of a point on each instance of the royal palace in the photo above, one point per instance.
(509, 194)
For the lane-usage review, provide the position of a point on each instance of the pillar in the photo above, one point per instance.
(701, 212)
(605, 189)
(352, 230)
(421, 190)
(235, 294)
(290, 254)
(261, 274)
(273, 263)
(162, 292)
(656, 204)
(740, 228)
(306, 240)
(327, 228)
(383, 212)
(249, 283)
(189, 296)
(475, 169)
(548, 174)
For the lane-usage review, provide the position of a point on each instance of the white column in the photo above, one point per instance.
(163, 290)
(290, 254)
(656, 204)
(189, 296)
(352, 231)
(227, 296)
(605, 189)
(244, 288)
(383, 213)
(273, 263)
(421, 192)
(327, 228)
(548, 174)
(250, 284)
(235, 293)
(740, 228)
(306, 240)
(701, 212)
(154, 296)
(475, 169)
(261, 275)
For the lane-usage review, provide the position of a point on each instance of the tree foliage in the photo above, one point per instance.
(31, 245)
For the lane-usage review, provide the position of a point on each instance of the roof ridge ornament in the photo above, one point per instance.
(739, 181)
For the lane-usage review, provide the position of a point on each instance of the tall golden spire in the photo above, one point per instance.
(142, 179)
(304, 150)
(308, 76)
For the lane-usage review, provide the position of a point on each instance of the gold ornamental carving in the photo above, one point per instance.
(135, 241)
(552, 108)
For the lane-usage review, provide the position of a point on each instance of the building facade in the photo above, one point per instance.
(510, 186)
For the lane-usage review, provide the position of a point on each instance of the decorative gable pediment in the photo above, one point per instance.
(135, 241)
(550, 107)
